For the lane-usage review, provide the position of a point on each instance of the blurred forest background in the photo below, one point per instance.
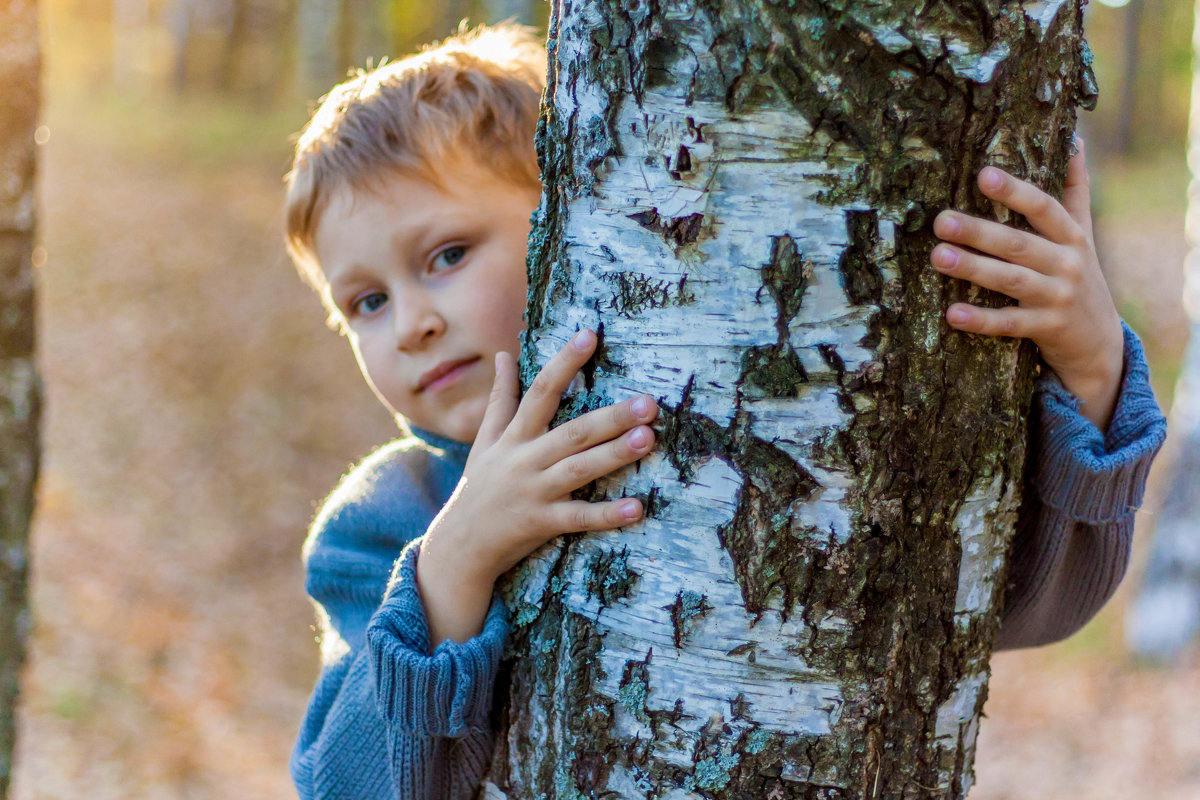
(198, 409)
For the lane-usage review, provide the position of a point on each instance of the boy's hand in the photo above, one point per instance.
(1063, 303)
(515, 493)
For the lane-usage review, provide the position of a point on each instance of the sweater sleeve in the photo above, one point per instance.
(392, 720)
(388, 720)
(1074, 533)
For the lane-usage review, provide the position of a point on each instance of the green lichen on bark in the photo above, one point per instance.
(689, 607)
(634, 688)
(609, 577)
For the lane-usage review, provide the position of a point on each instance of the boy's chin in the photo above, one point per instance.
(461, 428)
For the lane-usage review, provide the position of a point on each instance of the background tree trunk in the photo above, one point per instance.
(318, 27)
(738, 196)
(517, 10)
(19, 392)
(1165, 617)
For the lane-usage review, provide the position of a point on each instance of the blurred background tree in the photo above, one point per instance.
(20, 392)
(199, 409)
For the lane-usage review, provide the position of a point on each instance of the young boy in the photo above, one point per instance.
(407, 209)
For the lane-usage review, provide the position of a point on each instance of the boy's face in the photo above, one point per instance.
(431, 283)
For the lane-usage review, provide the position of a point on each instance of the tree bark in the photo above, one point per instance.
(1165, 616)
(738, 197)
(19, 390)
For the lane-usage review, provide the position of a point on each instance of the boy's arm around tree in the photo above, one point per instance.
(352, 743)
(402, 712)
(1095, 426)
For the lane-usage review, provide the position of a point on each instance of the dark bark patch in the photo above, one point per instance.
(859, 268)
(786, 276)
(760, 534)
(679, 232)
(634, 293)
(774, 369)
(687, 438)
(591, 773)
(655, 504)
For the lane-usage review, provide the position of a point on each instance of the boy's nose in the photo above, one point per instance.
(416, 324)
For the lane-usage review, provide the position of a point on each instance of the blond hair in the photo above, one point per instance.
(474, 94)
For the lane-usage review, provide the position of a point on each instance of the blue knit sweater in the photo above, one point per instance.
(390, 720)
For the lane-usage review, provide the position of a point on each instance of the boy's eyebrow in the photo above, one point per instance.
(348, 274)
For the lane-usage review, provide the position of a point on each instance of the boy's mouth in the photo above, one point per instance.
(444, 373)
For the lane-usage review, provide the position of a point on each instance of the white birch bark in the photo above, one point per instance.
(1165, 616)
(784, 623)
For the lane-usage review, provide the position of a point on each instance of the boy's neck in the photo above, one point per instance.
(453, 448)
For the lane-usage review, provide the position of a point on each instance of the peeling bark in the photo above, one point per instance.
(19, 390)
(738, 197)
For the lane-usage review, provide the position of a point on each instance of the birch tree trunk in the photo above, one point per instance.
(318, 26)
(19, 393)
(738, 197)
(1165, 616)
(516, 10)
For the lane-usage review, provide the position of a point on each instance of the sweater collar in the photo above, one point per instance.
(456, 451)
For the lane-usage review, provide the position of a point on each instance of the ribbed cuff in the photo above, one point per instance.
(448, 693)
(1091, 476)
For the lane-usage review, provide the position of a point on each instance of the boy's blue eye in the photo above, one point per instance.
(369, 303)
(449, 257)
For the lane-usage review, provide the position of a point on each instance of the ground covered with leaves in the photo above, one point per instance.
(198, 410)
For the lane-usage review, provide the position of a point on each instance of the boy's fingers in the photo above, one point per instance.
(1018, 282)
(1011, 321)
(597, 426)
(571, 516)
(1077, 191)
(583, 468)
(544, 394)
(1001, 241)
(1047, 216)
(502, 404)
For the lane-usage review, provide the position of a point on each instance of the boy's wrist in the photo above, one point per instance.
(456, 595)
(1098, 387)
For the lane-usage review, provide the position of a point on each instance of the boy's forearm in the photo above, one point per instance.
(456, 601)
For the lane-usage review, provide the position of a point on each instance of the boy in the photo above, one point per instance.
(407, 210)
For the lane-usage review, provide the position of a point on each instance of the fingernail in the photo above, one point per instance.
(582, 340)
(639, 438)
(990, 178)
(945, 258)
(630, 509)
(949, 224)
(956, 316)
(641, 406)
